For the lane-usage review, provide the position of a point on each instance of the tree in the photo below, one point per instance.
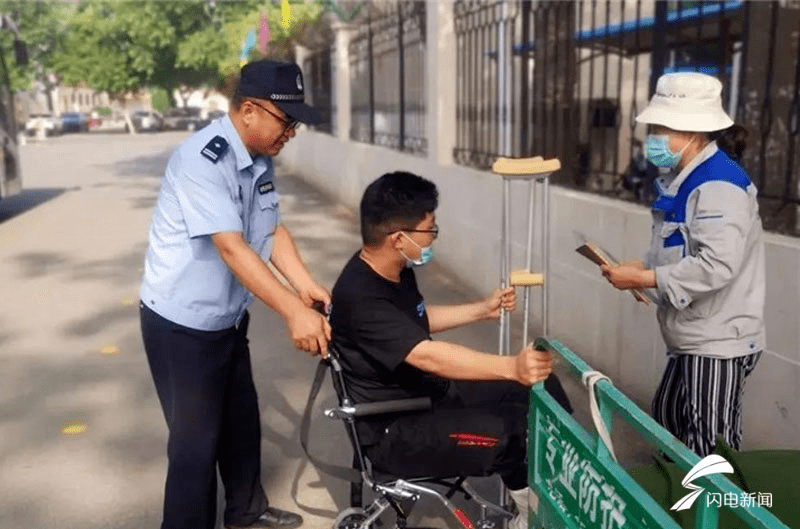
(42, 28)
(123, 46)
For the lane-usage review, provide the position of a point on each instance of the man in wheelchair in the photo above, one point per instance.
(382, 330)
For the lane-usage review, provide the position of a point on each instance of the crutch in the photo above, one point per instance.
(536, 172)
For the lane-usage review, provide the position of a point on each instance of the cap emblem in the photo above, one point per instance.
(299, 82)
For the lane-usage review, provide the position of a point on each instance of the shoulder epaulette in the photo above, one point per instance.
(215, 148)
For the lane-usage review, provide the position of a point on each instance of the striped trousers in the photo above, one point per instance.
(700, 397)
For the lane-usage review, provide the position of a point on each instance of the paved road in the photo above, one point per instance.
(71, 251)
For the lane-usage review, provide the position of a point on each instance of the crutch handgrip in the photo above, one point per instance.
(525, 166)
(523, 278)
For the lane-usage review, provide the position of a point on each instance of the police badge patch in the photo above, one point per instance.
(215, 148)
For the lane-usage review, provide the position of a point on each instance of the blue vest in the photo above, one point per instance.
(720, 167)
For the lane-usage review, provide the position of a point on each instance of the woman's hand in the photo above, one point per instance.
(629, 275)
(635, 263)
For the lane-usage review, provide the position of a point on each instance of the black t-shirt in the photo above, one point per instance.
(376, 323)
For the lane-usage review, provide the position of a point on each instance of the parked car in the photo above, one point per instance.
(46, 122)
(183, 118)
(147, 121)
(74, 122)
(212, 115)
(95, 120)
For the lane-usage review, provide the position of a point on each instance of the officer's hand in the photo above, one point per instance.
(533, 366)
(310, 331)
(314, 292)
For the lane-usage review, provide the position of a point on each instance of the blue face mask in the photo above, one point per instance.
(425, 254)
(658, 152)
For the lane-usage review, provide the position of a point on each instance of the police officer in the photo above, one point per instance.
(215, 225)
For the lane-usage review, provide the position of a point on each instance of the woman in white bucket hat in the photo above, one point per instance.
(706, 260)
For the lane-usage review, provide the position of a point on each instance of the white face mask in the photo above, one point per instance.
(425, 253)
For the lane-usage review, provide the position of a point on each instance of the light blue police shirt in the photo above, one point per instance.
(207, 189)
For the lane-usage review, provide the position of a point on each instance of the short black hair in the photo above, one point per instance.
(394, 202)
(237, 99)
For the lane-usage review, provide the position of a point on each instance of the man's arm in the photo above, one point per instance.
(443, 317)
(456, 362)
(286, 259)
(308, 329)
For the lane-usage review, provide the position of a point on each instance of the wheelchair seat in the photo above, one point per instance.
(397, 493)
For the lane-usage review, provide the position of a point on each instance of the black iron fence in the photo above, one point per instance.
(318, 69)
(567, 79)
(387, 84)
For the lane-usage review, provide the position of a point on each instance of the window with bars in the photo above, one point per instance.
(387, 80)
(567, 79)
(318, 70)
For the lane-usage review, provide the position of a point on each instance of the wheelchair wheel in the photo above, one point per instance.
(351, 518)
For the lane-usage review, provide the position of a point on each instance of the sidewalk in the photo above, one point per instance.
(327, 235)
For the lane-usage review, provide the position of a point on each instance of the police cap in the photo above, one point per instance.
(280, 82)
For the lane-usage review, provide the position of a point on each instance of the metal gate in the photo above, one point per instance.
(566, 79)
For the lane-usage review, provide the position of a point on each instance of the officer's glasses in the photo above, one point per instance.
(290, 123)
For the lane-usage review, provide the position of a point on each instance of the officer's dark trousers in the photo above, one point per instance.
(205, 385)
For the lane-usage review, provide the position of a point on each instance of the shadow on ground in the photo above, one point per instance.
(26, 200)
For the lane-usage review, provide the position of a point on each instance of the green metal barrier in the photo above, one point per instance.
(579, 484)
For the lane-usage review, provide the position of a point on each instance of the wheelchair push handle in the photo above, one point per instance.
(370, 408)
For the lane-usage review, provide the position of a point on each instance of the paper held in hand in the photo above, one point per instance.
(596, 255)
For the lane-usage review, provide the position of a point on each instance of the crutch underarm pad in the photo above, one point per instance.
(523, 278)
(392, 406)
(525, 166)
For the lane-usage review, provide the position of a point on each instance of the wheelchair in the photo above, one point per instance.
(393, 492)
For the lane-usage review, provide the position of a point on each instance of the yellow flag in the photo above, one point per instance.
(286, 14)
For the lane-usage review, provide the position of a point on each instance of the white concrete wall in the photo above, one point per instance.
(607, 328)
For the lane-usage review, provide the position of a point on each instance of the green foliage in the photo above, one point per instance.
(221, 47)
(103, 111)
(119, 46)
(159, 98)
(42, 27)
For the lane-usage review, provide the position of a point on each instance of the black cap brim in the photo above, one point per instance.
(300, 111)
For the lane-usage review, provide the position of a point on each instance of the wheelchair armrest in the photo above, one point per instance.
(377, 408)
(391, 406)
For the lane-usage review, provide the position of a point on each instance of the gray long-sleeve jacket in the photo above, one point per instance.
(708, 254)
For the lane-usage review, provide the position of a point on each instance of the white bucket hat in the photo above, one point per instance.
(687, 101)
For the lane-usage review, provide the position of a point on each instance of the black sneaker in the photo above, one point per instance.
(273, 519)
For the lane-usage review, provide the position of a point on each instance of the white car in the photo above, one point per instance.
(50, 125)
(145, 120)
